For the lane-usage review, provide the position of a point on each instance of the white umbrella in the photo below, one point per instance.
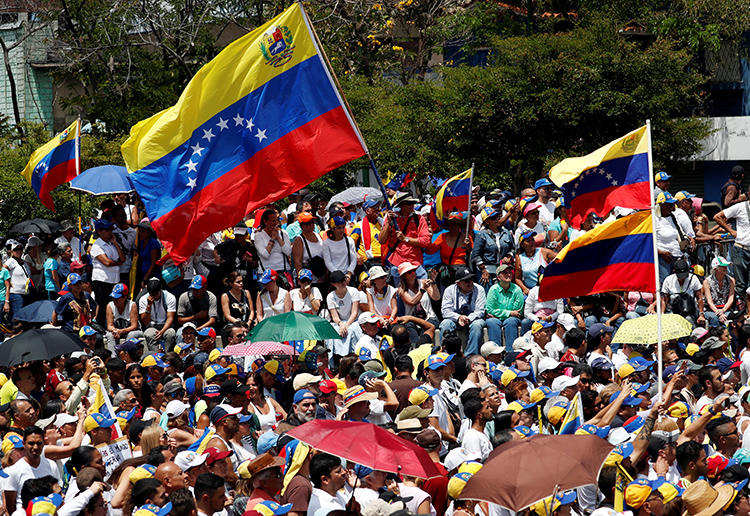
(356, 195)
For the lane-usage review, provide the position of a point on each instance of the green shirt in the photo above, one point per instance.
(4, 275)
(500, 303)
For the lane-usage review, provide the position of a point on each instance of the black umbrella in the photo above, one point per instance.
(39, 312)
(36, 226)
(38, 345)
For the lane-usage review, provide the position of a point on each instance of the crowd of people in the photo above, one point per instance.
(443, 341)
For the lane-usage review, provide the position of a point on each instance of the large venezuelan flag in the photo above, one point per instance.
(54, 163)
(614, 175)
(453, 195)
(614, 256)
(259, 121)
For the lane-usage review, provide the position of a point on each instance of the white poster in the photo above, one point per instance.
(114, 453)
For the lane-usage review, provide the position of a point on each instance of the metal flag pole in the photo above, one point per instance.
(78, 172)
(659, 355)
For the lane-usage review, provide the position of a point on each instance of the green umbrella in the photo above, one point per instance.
(293, 326)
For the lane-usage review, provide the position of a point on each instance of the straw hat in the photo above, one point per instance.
(700, 499)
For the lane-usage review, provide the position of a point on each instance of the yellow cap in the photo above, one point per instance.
(457, 483)
(214, 355)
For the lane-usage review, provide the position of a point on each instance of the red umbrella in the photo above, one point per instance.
(258, 348)
(368, 445)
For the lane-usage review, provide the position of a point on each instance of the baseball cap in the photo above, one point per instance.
(436, 361)
(214, 454)
(491, 348)
(154, 360)
(458, 456)
(86, 331)
(725, 364)
(206, 332)
(554, 409)
(683, 194)
(601, 363)
(73, 278)
(640, 363)
(421, 393)
(303, 379)
(141, 472)
(303, 394)
(532, 206)
(540, 183)
(214, 355)
(369, 376)
(10, 442)
(266, 441)
(598, 328)
(511, 374)
(518, 405)
(665, 198)
(524, 431)
(540, 325)
(567, 320)
(547, 364)
(712, 343)
(97, 420)
(305, 217)
(638, 491)
(327, 386)
(463, 273)
(678, 409)
(215, 370)
(198, 282)
(589, 429)
(367, 317)
(119, 290)
(563, 382)
(720, 261)
(542, 392)
(512, 356)
(175, 408)
(189, 459)
(222, 411)
(457, 483)
(305, 274)
(370, 203)
(662, 176)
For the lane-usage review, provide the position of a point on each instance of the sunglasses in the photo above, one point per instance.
(177, 394)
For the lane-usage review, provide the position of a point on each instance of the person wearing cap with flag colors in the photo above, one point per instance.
(122, 317)
(198, 305)
(225, 421)
(74, 309)
(157, 310)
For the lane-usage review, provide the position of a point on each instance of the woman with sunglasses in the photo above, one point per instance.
(266, 408)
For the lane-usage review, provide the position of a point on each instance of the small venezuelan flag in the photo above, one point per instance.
(200, 445)
(614, 175)
(399, 181)
(454, 195)
(54, 163)
(258, 122)
(573, 417)
(614, 256)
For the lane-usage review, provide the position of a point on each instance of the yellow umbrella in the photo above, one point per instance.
(643, 329)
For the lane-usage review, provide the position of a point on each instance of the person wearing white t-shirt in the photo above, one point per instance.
(543, 189)
(740, 254)
(157, 310)
(33, 464)
(306, 298)
(106, 258)
(474, 439)
(682, 281)
(339, 250)
(343, 305)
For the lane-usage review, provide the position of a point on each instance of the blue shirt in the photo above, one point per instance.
(49, 282)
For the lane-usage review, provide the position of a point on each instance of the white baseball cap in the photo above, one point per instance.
(64, 418)
(189, 459)
(303, 379)
(175, 408)
(548, 364)
(490, 348)
(367, 317)
(458, 456)
(562, 382)
(568, 321)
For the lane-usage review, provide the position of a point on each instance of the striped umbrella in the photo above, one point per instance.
(258, 348)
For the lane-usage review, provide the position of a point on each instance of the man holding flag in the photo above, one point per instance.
(405, 236)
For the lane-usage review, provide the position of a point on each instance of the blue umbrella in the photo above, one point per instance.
(108, 179)
(39, 312)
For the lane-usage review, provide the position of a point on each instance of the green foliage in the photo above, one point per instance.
(18, 201)
(540, 99)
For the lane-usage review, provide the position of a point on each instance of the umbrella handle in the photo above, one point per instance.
(548, 510)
